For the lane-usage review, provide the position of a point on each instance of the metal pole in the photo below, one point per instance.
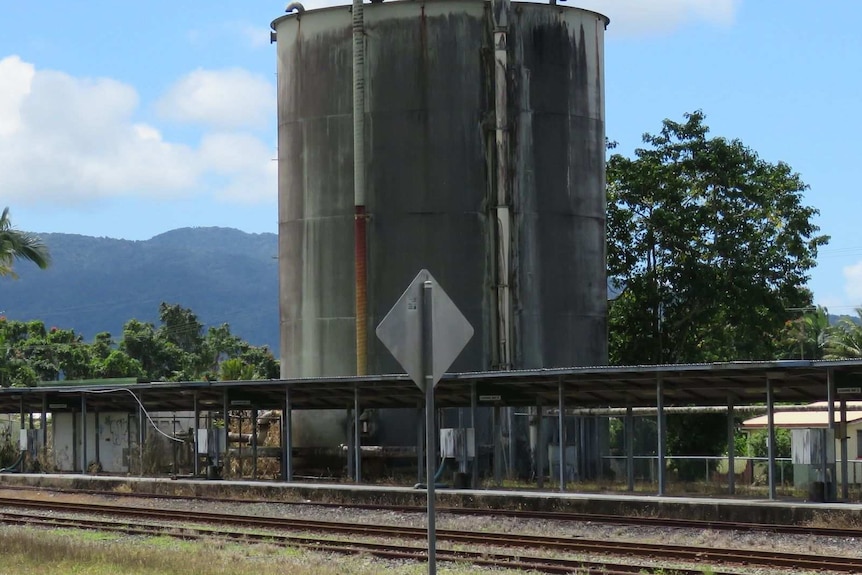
(460, 451)
(731, 448)
(661, 435)
(511, 445)
(420, 444)
(430, 442)
(196, 410)
(498, 446)
(828, 437)
(45, 424)
(844, 463)
(23, 429)
(225, 432)
(357, 443)
(474, 467)
(561, 422)
(540, 452)
(254, 430)
(287, 448)
(360, 221)
(350, 452)
(74, 440)
(174, 446)
(141, 433)
(630, 449)
(500, 16)
(240, 460)
(97, 455)
(83, 433)
(770, 437)
(597, 447)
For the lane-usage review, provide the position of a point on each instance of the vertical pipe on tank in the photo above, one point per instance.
(501, 133)
(359, 188)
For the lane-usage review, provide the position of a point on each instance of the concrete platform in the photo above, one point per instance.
(784, 512)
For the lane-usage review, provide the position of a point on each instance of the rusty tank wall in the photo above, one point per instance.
(559, 202)
(430, 176)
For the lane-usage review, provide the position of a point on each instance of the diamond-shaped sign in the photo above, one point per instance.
(401, 330)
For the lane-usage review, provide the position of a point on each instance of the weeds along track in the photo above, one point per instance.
(647, 521)
(379, 550)
(222, 524)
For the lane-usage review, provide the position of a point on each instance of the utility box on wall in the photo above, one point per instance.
(457, 443)
(807, 446)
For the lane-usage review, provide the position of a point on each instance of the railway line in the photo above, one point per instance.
(629, 520)
(379, 550)
(548, 549)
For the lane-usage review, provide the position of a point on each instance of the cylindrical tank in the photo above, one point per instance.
(432, 195)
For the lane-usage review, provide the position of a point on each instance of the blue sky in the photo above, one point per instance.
(128, 119)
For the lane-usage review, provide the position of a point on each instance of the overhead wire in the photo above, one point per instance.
(137, 400)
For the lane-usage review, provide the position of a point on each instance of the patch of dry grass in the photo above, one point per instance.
(53, 552)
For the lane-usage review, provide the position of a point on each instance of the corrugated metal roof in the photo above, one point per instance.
(796, 382)
(807, 419)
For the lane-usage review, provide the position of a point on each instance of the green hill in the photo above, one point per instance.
(97, 284)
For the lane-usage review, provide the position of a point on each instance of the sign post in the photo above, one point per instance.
(425, 332)
(430, 452)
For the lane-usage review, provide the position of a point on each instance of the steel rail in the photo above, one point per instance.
(559, 544)
(652, 522)
(380, 550)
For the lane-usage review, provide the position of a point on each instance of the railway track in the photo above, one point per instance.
(675, 553)
(841, 532)
(379, 550)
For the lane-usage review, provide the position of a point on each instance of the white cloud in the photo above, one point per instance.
(15, 77)
(252, 175)
(222, 98)
(643, 17)
(256, 36)
(71, 140)
(853, 282)
(239, 33)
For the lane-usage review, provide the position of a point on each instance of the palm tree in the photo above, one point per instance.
(806, 337)
(18, 245)
(845, 340)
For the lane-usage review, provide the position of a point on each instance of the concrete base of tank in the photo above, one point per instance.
(713, 509)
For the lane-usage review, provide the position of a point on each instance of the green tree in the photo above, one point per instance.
(19, 245)
(159, 359)
(118, 364)
(220, 345)
(806, 337)
(181, 327)
(711, 245)
(845, 339)
(235, 369)
(758, 444)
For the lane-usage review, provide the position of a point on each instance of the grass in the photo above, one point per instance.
(61, 552)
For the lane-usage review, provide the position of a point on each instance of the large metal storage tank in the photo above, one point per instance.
(432, 158)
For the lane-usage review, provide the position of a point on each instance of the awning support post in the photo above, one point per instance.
(561, 423)
(357, 443)
(845, 484)
(630, 448)
(195, 443)
(287, 437)
(662, 435)
(731, 447)
(770, 437)
(474, 408)
(83, 433)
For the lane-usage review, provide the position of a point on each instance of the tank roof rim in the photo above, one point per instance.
(273, 25)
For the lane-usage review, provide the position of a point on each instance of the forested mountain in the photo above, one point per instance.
(97, 284)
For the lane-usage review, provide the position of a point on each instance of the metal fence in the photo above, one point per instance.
(705, 469)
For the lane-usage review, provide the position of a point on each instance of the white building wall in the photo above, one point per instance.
(114, 440)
